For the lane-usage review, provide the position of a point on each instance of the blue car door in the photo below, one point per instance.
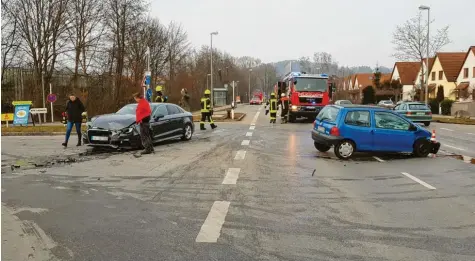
(391, 133)
(357, 126)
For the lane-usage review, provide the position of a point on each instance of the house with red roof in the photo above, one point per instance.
(445, 71)
(466, 78)
(406, 73)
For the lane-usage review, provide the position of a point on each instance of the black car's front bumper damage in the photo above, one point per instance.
(112, 139)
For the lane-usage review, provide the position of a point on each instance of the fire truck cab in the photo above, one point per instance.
(308, 93)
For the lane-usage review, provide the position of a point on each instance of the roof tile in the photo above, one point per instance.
(408, 71)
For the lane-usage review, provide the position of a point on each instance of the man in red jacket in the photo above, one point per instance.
(142, 117)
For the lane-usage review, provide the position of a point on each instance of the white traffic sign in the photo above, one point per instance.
(38, 110)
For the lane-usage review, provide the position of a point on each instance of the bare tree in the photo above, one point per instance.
(410, 40)
(178, 47)
(41, 28)
(85, 33)
(10, 41)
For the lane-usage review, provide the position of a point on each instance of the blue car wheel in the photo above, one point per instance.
(345, 149)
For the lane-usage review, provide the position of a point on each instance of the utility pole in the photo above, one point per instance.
(211, 54)
(249, 93)
(423, 7)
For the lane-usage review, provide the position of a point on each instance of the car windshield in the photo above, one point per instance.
(418, 107)
(345, 102)
(329, 114)
(127, 109)
(311, 84)
(386, 102)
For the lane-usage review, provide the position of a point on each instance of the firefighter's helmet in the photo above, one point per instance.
(272, 94)
(207, 92)
(158, 88)
(282, 95)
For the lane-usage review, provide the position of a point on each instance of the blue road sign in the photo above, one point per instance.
(149, 94)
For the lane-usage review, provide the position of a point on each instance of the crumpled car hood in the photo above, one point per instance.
(113, 121)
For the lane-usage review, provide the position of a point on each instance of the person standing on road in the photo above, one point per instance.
(185, 100)
(284, 105)
(142, 117)
(206, 111)
(272, 105)
(74, 110)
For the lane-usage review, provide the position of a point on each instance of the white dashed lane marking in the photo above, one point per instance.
(252, 127)
(240, 155)
(249, 134)
(470, 133)
(378, 159)
(245, 142)
(417, 180)
(231, 176)
(446, 129)
(452, 147)
(211, 228)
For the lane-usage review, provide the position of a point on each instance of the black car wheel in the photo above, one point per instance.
(422, 148)
(292, 118)
(187, 132)
(427, 123)
(344, 149)
(321, 147)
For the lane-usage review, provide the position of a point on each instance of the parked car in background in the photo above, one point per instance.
(255, 101)
(352, 128)
(119, 130)
(386, 104)
(341, 102)
(415, 111)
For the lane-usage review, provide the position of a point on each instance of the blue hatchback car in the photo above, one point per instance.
(352, 128)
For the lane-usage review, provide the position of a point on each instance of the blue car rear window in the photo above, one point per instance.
(328, 114)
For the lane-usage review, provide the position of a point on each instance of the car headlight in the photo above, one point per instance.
(127, 130)
(294, 107)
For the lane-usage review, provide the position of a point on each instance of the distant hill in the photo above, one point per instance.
(281, 68)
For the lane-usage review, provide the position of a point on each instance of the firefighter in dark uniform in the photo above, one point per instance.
(272, 106)
(206, 111)
(159, 97)
(284, 104)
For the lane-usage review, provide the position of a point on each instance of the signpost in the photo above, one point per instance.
(6, 117)
(38, 111)
(22, 111)
(51, 99)
(148, 79)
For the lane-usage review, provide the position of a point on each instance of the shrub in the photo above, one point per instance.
(440, 93)
(446, 106)
(434, 106)
(369, 95)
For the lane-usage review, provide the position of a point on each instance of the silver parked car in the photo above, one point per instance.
(341, 102)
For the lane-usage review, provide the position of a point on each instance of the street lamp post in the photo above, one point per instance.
(249, 93)
(424, 7)
(207, 81)
(211, 54)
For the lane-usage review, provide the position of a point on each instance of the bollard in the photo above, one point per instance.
(232, 114)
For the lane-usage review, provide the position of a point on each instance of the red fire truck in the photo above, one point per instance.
(308, 93)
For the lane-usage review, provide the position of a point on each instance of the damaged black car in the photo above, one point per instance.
(119, 130)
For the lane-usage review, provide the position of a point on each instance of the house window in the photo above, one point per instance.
(433, 76)
(441, 75)
(465, 73)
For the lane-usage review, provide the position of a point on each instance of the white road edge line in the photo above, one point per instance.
(378, 159)
(245, 143)
(240, 155)
(252, 127)
(452, 147)
(446, 129)
(470, 133)
(211, 228)
(417, 180)
(249, 134)
(231, 176)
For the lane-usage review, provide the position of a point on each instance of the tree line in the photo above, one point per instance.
(98, 50)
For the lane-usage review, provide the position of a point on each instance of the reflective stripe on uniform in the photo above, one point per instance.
(273, 105)
(205, 105)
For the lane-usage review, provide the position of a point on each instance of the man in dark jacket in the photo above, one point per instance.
(74, 110)
(142, 117)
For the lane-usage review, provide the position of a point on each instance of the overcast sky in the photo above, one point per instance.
(355, 32)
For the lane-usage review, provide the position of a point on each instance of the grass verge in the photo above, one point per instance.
(454, 121)
(36, 129)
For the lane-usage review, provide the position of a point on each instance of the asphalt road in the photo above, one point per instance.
(458, 139)
(245, 191)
